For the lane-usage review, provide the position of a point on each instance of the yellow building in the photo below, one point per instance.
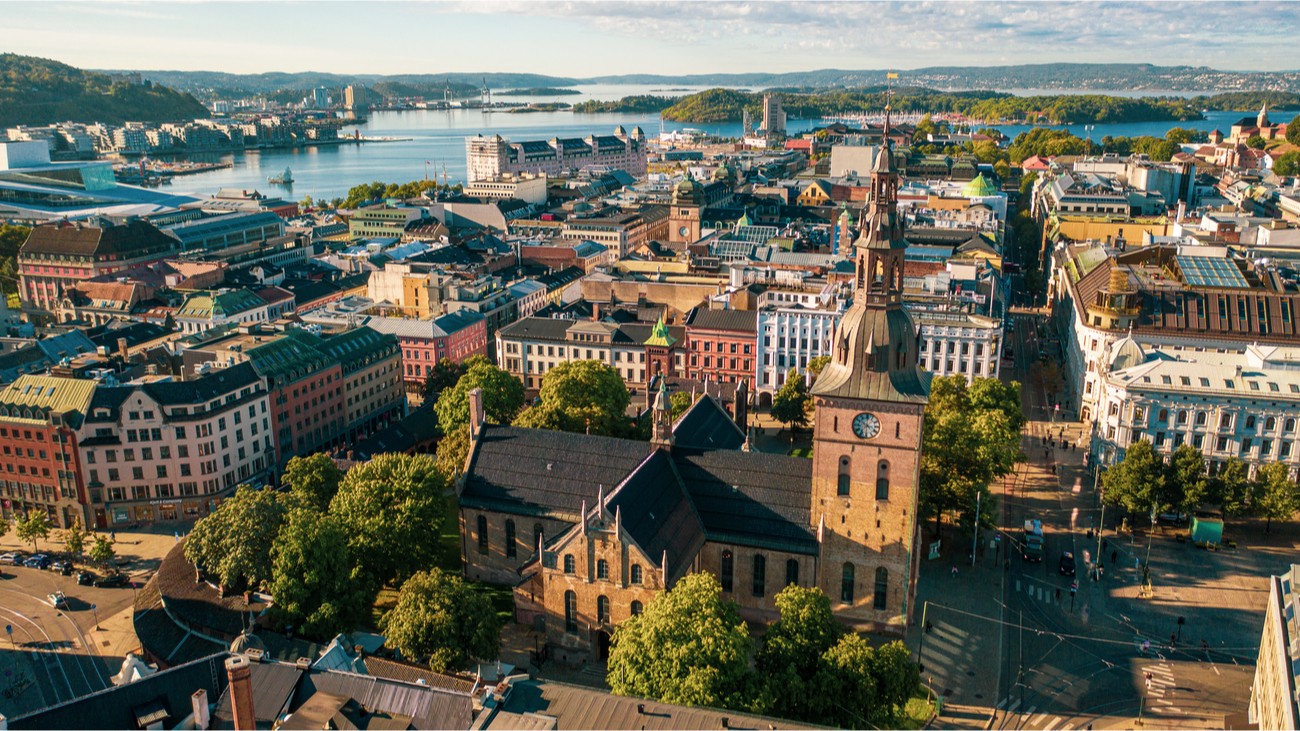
(1273, 695)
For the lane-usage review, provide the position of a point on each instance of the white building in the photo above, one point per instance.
(487, 158)
(793, 328)
(527, 188)
(1273, 694)
(1235, 404)
(959, 343)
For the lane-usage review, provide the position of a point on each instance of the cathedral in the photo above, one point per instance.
(588, 529)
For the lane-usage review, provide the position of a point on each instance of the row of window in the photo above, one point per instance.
(882, 478)
(848, 582)
(602, 610)
(1201, 418)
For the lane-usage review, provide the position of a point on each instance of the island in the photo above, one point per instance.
(540, 91)
(639, 104)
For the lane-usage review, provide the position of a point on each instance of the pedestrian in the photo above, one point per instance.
(954, 571)
(1173, 639)
(1146, 645)
(1205, 647)
(1058, 593)
(1114, 555)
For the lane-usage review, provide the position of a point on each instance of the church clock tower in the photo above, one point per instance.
(684, 213)
(870, 402)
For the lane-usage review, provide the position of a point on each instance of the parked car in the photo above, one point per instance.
(58, 600)
(11, 559)
(39, 561)
(62, 567)
(112, 580)
(86, 578)
(1066, 567)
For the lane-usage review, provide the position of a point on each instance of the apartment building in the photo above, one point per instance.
(371, 365)
(527, 188)
(1273, 694)
(166, 449)
(57, 256)
(958, 343)
(202, 311)
(488, 158)
(720, 344)
(531, 347)
(39, 418)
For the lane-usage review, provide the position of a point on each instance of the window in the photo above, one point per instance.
(791, 571)
(843, 488)
(846, 582)
(1289, 425)
(511, 550)
(728, 569)
(760, 574)
(636, 608)
(1164, 415)
(1270, 424)
(1182, 418)
(569, 564)
(636, 573)
(882, 588)
(482, 534)
(570, 609)
(1200, 418)
(1250, 422)
(602, 609)
(602, 570)
(882, 481)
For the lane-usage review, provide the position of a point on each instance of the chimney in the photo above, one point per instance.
(199, 702)
(740, 408)
(122, 348)
(475, 413)
(241, 692)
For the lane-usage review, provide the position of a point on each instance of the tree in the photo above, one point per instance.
(1184, 135)
(440, 617)
(582, 396)
(1186, 471)
(230, 545)
(313, 480)
(33, 526)
(74, 538)
(1255, 142)
(389, 507)
(817, 365)
(1002, 169)
(792, 650)
(503, 395)
(313, 578)
(443, 375)
(453, 450)
(859, 685)
(1277, 496)
(1293, 131)
(1288, 165)
(1137, 482)
(790, 404)
(679, 402)
(689, 646)
(101, 551)
(1230, 488)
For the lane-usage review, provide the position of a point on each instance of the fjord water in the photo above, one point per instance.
(437, 137)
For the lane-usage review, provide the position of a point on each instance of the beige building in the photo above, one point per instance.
(527, 188)
(1273, 695)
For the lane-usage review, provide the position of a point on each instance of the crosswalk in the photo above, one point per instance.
(1033, 719)
(1045, 593)
(1160, 687)
(1159, 698)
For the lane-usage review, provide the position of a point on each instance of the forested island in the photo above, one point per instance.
(36, 91)
(640, 103)
(540, 91)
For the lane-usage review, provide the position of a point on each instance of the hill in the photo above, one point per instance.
(36, 91)
(218, 84)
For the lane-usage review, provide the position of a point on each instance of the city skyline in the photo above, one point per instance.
(670, 38)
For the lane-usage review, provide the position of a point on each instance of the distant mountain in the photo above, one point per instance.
(218, 84)
(1055, 76)
(37, 91)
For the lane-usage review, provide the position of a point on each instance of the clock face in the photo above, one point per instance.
(684, 230)
(866, 426)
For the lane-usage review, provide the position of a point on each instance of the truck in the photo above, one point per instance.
(1032, 549)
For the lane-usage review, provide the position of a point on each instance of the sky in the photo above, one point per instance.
(594, 38)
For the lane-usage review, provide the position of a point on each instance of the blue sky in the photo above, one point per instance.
(589, 38)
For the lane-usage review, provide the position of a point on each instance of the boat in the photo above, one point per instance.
(285, 178)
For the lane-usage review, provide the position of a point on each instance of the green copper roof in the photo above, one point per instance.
(660, 336)
(979, 187)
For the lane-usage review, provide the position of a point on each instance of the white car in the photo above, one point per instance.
(9, 559)
(58, 600)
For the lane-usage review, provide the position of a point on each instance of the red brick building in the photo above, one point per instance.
(721, 344)
(39, 416)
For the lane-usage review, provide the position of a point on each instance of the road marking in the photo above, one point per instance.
(1035, 719)
(1014, 705)
(1017, 585)
(1055, 720)
(1000, 704)
(1030, 712)
(1158, 669)
(1162, 681)
(1157, 692)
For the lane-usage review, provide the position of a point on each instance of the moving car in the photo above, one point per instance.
(62, 567)
(11, 559)
(86, 578)
(39, 561)
(1066, 566)
(58, 600)
(114, 579)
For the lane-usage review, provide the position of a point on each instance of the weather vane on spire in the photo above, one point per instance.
(890, 77)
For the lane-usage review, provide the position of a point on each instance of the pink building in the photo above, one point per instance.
(57, 256)
(456, 335)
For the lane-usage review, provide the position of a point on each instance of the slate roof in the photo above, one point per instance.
(411, 673)
(537, 471)
(744, 321)
(706, 424)
(273, 686)
(428, 707)
(123, 241)
(657, 512)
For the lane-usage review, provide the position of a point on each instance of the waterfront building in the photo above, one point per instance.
(773, 115)
(384, 221)
(1273, 694)
(39, 419)
(549, 505)
(356, 97)
(488, 158)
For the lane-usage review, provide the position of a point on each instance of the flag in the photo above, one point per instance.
(891, 75)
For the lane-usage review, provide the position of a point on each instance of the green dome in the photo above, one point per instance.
(979, 187)
(724, 174)
(688, 192)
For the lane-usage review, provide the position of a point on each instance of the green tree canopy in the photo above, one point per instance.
(33, 526)
(679, 402)
(101, 551)
(858, 685)
(440, 617)
(389, 507)
(313, 576)
(817, 365)
(503, 395)
(792, 651)
(1230, 487)
(74, 538)
(453, 450)
(1288, 165)
(689, 646)
(1276, 494)
(1186, 472)
(790, 404)
(443, 375)
(1137, 483)
(314, 480)
(1255, 142)
(582, 396)
(1293, 131)
(232, 543)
